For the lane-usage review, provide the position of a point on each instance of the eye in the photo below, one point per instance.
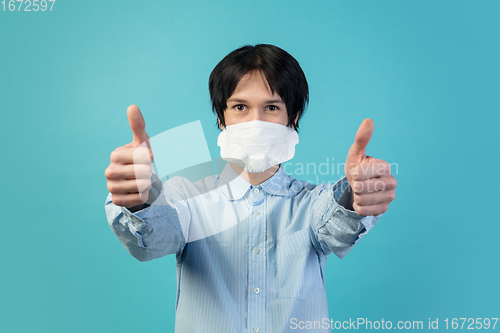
(272, 108)
(239, 107)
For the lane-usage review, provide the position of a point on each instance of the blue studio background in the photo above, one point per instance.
(426, 72)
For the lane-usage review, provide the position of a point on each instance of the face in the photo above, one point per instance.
(252, 100)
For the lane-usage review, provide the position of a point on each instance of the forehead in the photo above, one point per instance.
(253, 83)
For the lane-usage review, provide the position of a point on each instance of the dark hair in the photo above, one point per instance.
(281, 71)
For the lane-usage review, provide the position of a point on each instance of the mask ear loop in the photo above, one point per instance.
(293, 140)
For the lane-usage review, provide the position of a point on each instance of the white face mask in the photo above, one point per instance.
(257, 145)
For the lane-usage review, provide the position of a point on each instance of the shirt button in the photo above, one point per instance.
(256, 290)
(256, 250)
(256, 212)
(256, 190)
(256, 329)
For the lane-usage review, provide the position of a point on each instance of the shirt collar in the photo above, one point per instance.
(235, 187)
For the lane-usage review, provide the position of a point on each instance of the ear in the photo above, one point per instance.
(295, 121)
(220, 125)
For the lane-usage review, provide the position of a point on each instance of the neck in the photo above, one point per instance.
(256, 178)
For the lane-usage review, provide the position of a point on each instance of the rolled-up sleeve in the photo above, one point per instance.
(335, 228)
(152, 232)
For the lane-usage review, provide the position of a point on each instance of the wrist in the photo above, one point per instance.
(347, 199)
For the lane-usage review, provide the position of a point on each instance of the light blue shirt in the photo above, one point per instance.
(249, 258)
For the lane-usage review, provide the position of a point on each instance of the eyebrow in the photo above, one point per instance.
(271, 101)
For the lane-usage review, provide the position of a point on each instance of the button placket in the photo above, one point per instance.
(257, 260)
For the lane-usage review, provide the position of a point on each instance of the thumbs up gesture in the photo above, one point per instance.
(129, 172)
(371, 181)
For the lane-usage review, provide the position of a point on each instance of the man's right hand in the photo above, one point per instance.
(130, 170)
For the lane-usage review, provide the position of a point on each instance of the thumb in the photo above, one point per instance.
(137, 124)
(363, 136)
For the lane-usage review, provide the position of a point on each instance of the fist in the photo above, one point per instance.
(371, 181)
(130, 169)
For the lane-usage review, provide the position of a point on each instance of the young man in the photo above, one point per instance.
(251, 243)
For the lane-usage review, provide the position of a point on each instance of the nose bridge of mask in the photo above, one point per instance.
(256, 141)
(252, 135)
(253, 130)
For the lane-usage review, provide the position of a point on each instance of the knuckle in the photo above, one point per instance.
(115, 155)
(108, 172)
(392, 195)
(357, 186)
(360, 210)
(111, 187)
(361, 200)
(117, 200)
(385, 207)
(112, 172)
(379, 186)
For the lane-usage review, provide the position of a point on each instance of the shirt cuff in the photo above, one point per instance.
(368, 221)
(135, 217)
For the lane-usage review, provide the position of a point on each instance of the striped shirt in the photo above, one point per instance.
(249, 258)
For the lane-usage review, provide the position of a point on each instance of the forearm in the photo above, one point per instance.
(339, 227)
(150, 232)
